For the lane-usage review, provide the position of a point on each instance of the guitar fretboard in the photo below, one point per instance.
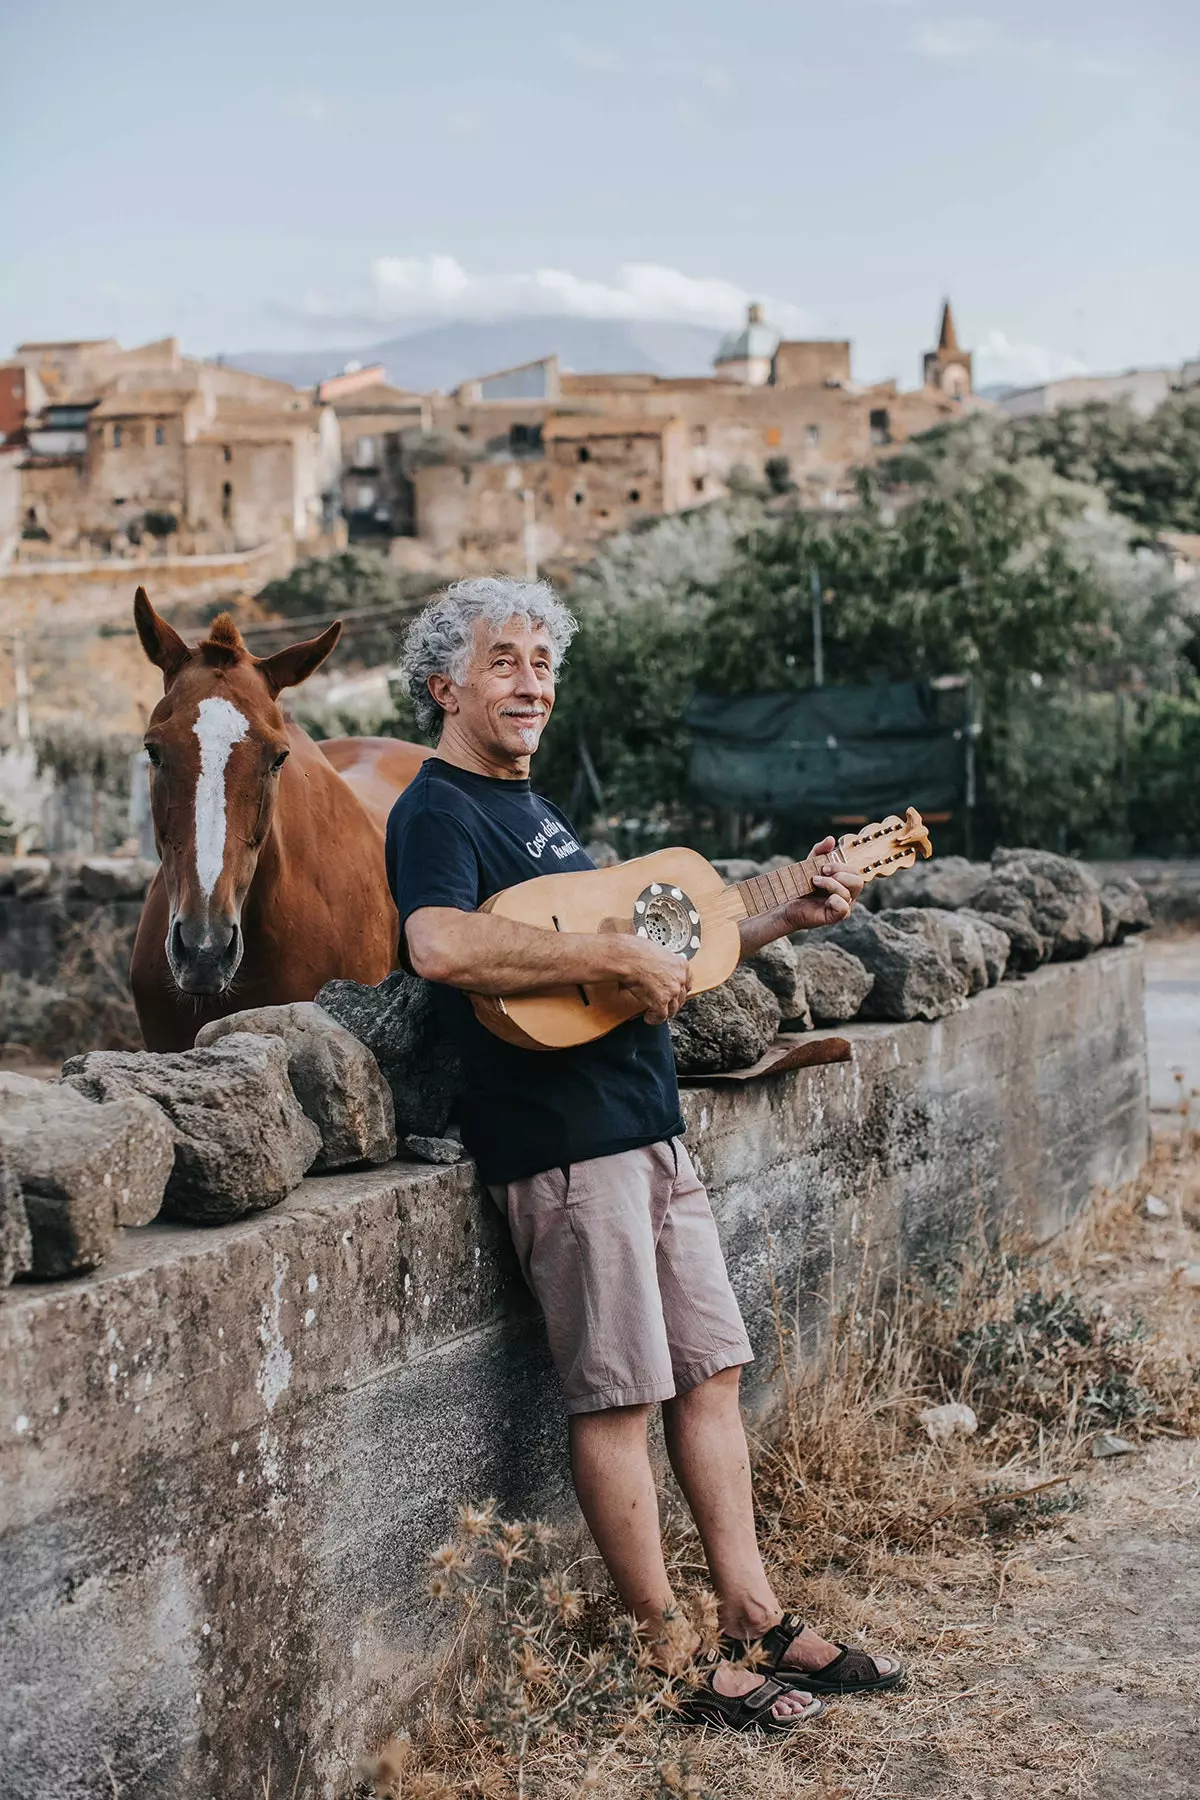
(763, 893)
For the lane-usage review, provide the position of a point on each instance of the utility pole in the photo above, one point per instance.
(817, 639)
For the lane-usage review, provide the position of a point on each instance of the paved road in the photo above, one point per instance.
(1173, 1021)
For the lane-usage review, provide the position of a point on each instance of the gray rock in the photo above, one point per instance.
(1124, 908)
(775, 965)
(83, 1170)
(835, 982)
(31, 877)
(913, 979)
(1108, 1444)
(399, 1024)
(434, 1149)
(955, 936)
(115, 877)
(16, 1244)
(1070, 915)
(948, 882)
(737, 868)
(242, 1142)
(992, 941)
(1027, 949)
(729, 1027)
(334, 1077)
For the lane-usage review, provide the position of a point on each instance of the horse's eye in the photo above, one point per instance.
(155, 755)
(279, 762)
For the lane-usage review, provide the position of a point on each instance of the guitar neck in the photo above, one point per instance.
(766, 893)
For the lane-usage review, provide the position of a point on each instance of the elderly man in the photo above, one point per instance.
(583, 1148)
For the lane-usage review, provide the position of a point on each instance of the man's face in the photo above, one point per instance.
(508, 695)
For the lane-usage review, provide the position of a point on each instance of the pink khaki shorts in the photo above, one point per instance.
(622, 1254)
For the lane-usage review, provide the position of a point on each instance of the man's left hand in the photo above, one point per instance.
(836, 887)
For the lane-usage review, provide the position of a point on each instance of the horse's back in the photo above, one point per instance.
(377, 769)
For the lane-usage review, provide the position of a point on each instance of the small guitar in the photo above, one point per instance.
(680, 901)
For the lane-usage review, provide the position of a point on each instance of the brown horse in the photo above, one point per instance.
(272, 879)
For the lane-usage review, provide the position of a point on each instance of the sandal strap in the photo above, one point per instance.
(850, 1665)
(773, 1644)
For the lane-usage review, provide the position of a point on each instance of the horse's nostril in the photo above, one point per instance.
(175, 946)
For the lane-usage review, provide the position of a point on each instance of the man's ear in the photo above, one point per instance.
(441, 690)
(161, 642)
(288, 668)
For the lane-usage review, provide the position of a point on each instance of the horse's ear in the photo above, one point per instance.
(161, 642)
(288, 668)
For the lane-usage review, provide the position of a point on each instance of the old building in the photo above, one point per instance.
(538, 465)
(376, 420)
(119, 447)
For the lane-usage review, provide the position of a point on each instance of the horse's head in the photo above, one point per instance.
(217, 743)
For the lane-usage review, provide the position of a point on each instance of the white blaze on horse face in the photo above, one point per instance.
(219, 726)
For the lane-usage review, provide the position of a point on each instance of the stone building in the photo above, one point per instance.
(375, 420)
(120, 446)
(536, 464)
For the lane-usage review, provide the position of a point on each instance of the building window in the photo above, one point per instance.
(160, 436)
(812, 436)
(880, 427)
(364, 497)
(772, 436)
(635, 495)
(364, 452)
(583, 453)
(227, 452)
(698, 483)
(227, 502)
(525, 440)
(118, 434)
(699, 434)
(579, 497)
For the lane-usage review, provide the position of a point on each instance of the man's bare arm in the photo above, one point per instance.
(487, 955)
(835, 890)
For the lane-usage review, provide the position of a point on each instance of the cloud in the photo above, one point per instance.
(973, 39)
(312, 108)
(597, 59)
(951, 40)
(998, 360)
(438, 286)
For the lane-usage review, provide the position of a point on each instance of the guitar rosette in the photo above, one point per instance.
(667, 916)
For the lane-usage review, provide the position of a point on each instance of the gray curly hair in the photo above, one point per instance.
(440, 639)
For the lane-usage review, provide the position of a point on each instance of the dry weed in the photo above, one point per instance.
(867, 1526)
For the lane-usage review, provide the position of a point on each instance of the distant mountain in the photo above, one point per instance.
(440, 356)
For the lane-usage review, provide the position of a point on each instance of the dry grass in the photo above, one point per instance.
(868, 1528)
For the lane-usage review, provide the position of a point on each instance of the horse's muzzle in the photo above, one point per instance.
(204, 956)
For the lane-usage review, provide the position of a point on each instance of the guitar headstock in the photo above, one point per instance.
(885, 848)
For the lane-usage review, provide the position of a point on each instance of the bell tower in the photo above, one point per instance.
(948, 368)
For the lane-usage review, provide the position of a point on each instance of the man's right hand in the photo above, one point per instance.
(658, 979)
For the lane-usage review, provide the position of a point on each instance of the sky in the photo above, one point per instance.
(249, 174)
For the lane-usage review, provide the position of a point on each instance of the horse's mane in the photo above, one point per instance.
(224, 641)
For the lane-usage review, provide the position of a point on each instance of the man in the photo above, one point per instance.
(582, 1148)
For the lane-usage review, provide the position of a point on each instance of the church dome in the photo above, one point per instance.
(755, 341)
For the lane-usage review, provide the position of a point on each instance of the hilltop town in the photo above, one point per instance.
(108, 453)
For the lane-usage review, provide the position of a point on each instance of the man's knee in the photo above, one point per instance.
(716, 1390)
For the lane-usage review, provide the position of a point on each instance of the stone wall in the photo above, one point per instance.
(225, 1455)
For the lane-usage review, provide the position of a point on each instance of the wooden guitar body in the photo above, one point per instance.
(675, 898)
(596, 900)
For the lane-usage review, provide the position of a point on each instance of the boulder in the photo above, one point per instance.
(1124, 908)
(16, 1244)
(32, 877)
(434, 1149)
(835, 982)
(992, 941)
(399, 1023)
(115, 877)
(955, 936)
(1027, 949)
(242, 1142)
(913, 978)
(1069, 915)
(729, 1027)
(948, 882)
(776, 967)
(83, 1170)
(334, 1077)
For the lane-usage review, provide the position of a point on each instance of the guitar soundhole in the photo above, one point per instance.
(668, 917)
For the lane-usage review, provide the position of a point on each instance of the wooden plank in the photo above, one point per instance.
(790, 1050)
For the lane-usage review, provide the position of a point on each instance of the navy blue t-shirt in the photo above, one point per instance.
(455, 839)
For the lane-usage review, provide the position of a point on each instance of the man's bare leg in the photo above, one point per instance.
(706, 1442)
(610, 1466)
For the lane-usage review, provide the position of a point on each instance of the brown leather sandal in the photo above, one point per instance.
(850, 1672)
(703, 1705)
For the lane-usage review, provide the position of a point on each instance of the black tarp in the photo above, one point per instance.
(869, 750)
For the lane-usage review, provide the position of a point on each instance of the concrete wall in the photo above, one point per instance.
(225, 1457)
